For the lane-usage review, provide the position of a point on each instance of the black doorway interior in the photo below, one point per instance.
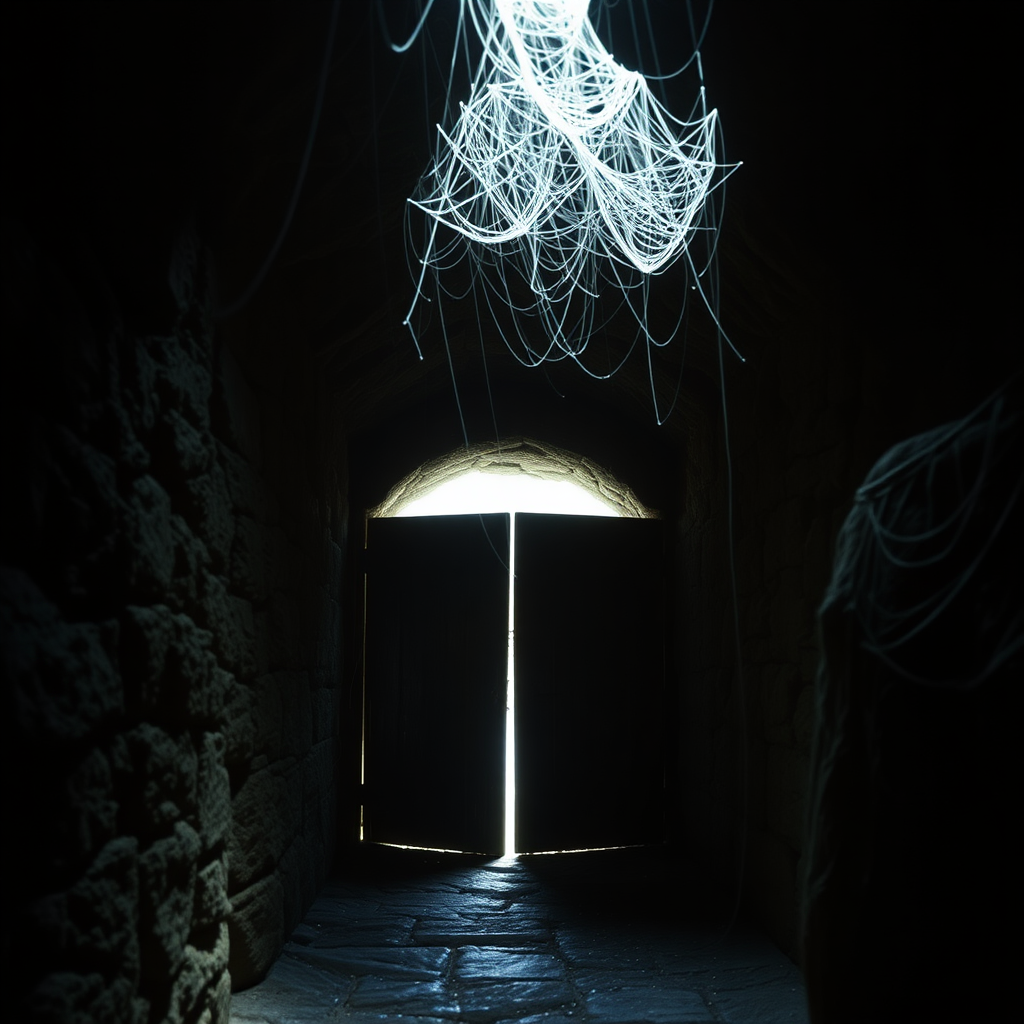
(589, 656)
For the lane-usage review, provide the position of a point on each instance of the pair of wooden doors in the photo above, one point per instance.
(589, 681)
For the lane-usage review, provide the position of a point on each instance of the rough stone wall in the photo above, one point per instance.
(283, 747)
(170, 653)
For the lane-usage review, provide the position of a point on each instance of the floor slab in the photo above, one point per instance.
(595, 938)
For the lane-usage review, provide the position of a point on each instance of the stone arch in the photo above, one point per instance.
(515, 456)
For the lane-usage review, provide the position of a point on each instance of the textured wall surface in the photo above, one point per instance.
(170, 660)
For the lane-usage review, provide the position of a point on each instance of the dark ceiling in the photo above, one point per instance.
(878, 170)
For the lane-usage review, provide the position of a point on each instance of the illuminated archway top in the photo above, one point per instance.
(515, 457)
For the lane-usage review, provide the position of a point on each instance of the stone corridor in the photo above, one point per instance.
(613, 937)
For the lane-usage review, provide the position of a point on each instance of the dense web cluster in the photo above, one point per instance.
(562, 180)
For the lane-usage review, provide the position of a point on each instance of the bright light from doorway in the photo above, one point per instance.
(482, 492)
(479, 492)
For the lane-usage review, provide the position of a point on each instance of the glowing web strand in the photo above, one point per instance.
(563, 166)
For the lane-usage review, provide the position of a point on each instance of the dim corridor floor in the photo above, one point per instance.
(612, 937)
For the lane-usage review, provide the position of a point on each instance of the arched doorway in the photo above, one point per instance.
(513, 602)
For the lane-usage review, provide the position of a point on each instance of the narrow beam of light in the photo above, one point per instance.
(562, 178)
(510, 699)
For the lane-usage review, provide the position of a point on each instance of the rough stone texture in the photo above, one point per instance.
(62, 681)
(168, 880)
(155, 744)
(261, 826)
(257, 931)
(158, 773)
(211, 902)
(213, 788)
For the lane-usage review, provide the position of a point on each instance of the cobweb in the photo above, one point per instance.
(563, 186)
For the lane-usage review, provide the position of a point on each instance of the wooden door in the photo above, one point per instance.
(435, 664)
(589, 665)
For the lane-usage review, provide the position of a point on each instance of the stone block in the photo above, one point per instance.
(310, 995)
(181, 381)
(238, 725)
(132, 456)
(297, 872)
(181, 450)
(148, 539)
(263, 823)
(170, 666)
(256, 931)
(60, 676)
(230, 621)
(496, 963)
(213, 792)
(191, 559)
(268, 715)
(211, 903)
(207, 507)
(192, 989)
(763, 995)
(167, 885)
(398, 963)
(486, 1001)
(156, 778)
(336, 930)
(417, 998)
(101, 911)
(297, 713)
(146, 637)
(326, 807)
(487, 932)
(218, 1003)
(318, 769)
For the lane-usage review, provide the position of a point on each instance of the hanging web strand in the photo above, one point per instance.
(925, 558)
(562, 179)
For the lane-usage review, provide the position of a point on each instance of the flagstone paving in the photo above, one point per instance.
(613, 937)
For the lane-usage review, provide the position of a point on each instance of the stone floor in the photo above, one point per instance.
(615, 937)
